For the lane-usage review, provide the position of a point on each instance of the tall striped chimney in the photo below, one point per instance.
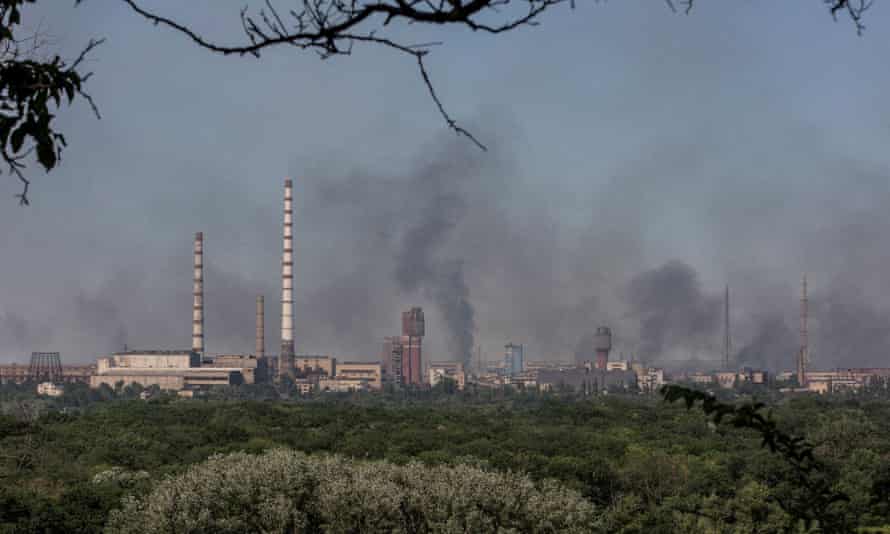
(198, 296)
(260, 327)
(286, 357)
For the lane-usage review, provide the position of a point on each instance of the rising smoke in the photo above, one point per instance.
(673, 311)
(493, 259)
(421, 267)
(773, 346)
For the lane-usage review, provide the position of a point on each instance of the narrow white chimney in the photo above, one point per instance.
(286, 357)
(198, 294)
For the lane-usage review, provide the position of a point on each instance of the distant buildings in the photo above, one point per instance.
(306, 365)
(253, 369)
(371, 374)
(49, 389)
(15, 373)
(167, 369)
(514, 359)
(448, 370)
(402, 356)
(587, 380)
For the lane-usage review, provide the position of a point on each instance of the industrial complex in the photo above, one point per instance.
(402, 363)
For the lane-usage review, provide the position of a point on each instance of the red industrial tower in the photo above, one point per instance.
(602, 345)
(402, 355)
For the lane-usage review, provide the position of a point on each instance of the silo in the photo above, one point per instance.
(602, 343)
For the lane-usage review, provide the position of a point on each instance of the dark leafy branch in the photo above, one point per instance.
(808, 474)
(30, 88)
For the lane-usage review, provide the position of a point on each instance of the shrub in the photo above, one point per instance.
(288, 491)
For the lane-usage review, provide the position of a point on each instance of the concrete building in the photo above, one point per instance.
(49, 389)
(15, 373)
(649, 379)
(514, 359)
(402, 356)
(305, 386)
(526, 379)
(371, 373)
(702, 378)
(586, 380)
(413, 330)
(452, 370)
(554, 366)
(305, 364)
(726, 379)
(253, 370)
(173, 370)
(343, 385)
(617, 365)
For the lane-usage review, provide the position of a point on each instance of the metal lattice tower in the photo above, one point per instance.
(45, 367)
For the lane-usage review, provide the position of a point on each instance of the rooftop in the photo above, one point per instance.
(152, 353)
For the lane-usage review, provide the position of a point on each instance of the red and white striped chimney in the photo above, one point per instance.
(286, 357)
(198, 294)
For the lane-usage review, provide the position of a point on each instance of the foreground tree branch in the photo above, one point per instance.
(808, 473)
(29, 86)
(332, 27)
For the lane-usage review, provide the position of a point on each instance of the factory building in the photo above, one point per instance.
(534, 366)
(402, 355)
(343, 385)
(370, 373)
(451, 370)
(306, 365)
(649, 379)
(16, 373)
(49, 389)
(173, 370)
(514, 359)
(253, 370)
(586, 380)
(617, 365)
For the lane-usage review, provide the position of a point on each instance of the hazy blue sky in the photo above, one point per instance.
(748, 140)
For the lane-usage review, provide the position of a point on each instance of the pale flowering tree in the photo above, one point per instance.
(288, 491)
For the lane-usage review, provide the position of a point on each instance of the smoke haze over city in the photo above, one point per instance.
(611, 193)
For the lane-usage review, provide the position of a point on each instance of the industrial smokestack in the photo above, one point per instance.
(260, 327)
(286, 357)
(198, 296)
(803, 356)
(727, 340)
(602, 345)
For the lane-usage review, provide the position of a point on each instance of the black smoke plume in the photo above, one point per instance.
(420, 264)
(673, 311)
(774, 345)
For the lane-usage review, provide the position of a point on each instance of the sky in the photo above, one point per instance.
(639, 161)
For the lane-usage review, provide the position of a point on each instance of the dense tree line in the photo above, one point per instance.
(642, 464)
